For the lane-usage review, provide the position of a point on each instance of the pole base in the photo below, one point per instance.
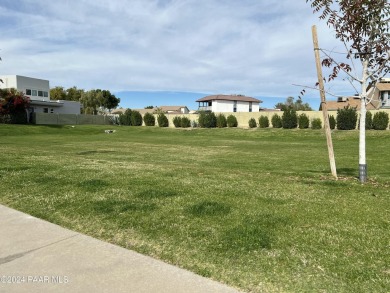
(363, 173)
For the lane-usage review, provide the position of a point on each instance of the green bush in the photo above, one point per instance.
(231, 121)
(346, 118)
(332, 122)
(185, 122)
(207, 119)
(177, 121)
(380, 121)
(252, 123)
(149, 119)
(162, 120)
(221, 121)
(276, 121)
(303, 121)
(125, 118)
(136, 118)
(289, 119)
(368, 120)
(316, 123)
(264, 122)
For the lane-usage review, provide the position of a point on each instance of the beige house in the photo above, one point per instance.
(378, 98)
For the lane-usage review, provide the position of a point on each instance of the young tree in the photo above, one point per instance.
(363, 27)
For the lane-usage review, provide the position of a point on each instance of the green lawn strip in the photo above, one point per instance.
(256, 209)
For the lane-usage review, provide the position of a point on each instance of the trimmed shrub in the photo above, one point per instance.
(380, 121)
(136, 118)
(185, 122)
(252, 123)
(221, 121)
(264, 121)
(303, 121)
(346, 118)
(177, 121)
(332, 122)
(162, 120)
(207, 119)
(289, 119)
(125, 118)
(316, 123)
(149, 119)
(368, 120)
(276, 121)
(231, 121)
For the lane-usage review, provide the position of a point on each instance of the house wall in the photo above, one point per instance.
(227, 106)
(21, 83)
(69, 107)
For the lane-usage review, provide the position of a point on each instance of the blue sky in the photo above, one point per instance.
(166, 52)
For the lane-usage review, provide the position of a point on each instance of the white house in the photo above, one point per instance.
(38, 90)
(229, 103)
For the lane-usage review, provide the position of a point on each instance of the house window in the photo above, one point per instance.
(235, 106)
(28, 92)
(250, 106)
(40, 93)
(45, 110)
(34, 93)
(51, 110)
(209, 104)
(45, 94)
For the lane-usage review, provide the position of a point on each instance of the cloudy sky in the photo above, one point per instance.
(253, 47)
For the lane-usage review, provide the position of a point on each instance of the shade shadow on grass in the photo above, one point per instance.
(114, 206)
(209, 208)
(92, 152)
(253, 233)
(93, 185)
(156, 193)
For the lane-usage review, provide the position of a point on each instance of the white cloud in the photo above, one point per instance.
(250, 46)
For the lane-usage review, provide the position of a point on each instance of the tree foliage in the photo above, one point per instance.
(297, 105)
(346, 118)
(13, 105)
(94, 101)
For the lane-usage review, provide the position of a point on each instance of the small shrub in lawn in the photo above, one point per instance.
(346, 118)
(231, 121)
(252, 123)
(289, 119)
(162, 120)
(207, 119)
(332, 122)
(125, 118)
(316, 123)
(149, 119)
(177, 121)
(368, 120)
(264, 121)
(380, 121)
(221, 121)
(303, 121)
(136, 118)
(185, 122)
(276, 121)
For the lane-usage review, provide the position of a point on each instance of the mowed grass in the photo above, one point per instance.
(255, 209)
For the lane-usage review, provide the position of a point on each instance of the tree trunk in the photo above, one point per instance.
(362, 128)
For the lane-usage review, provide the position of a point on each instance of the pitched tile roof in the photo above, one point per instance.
(229, 98)
(353, 102)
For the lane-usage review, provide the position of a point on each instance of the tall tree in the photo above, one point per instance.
(109, 100)
(91, 101)
(74, 94)
(298, 105)
(363, 28)
(57, 93)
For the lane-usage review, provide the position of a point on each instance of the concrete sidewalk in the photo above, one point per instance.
(37, 256)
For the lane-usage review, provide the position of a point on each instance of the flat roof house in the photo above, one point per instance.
(229, 103)
(38, 90)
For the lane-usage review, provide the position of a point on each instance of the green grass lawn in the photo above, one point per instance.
(255, 209)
